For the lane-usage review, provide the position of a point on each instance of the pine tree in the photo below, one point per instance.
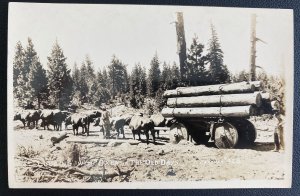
(240, 77)
(175, 73)
(117, 75)
(138, 80)
(37, 80)
(153, 80)
(137, 85)
(102, 94)
(30, 54)
(166, 77)
(90, 80)
(142, 79)
(90, 69)
(29, 58)
(76, 97)
(99, 78)
(83, 86)
(76, 77)
(59, 79)
(126, 81)
(21, 90)
(196, 73)
(105, 83)
(28, 80)
(218, 71)
(18, 62)
(134, 89)
(18, 78)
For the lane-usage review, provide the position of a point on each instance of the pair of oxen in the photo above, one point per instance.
(48, 117)
(139, 124)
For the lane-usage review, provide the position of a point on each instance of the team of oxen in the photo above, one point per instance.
(139, 123)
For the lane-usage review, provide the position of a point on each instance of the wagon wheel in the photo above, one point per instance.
(246, 130)
(178, 132)
(226, 135)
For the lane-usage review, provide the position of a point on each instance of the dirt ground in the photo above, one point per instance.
(37, 160)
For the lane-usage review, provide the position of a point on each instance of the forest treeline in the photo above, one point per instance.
(57, 85)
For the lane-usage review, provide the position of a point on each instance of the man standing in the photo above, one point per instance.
(278, 132)
(105, 117)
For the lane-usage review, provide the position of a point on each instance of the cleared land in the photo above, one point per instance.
(37, 160)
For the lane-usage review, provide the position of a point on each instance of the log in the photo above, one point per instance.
(258, 85)
(216, 100)
(60, 136)
(241, 87)
(206, 112)
(100, 141)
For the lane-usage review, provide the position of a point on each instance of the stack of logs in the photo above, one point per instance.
(241, 99)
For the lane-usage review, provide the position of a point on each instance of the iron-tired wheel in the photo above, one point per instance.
(247, 131)
(226, 135)
(178, 132)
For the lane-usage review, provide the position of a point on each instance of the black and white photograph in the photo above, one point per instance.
(149, 96)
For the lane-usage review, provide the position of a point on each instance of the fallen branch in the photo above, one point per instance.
(57, 171)
(104, 176)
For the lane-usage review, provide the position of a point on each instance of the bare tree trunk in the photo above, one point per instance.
(181, 45)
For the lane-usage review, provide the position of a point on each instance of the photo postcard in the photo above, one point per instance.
(149, 97)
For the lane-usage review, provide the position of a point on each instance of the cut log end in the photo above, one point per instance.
(258, 85)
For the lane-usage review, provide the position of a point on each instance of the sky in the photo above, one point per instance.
(134, 33)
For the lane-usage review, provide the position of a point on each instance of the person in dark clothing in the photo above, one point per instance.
(278, 132)
(105, 118)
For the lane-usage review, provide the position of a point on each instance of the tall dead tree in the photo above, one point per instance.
(254, 39)
(181, 45)
(252, 76)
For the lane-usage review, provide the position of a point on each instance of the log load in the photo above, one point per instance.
(233, 111)
(216, 100)
(234, 88)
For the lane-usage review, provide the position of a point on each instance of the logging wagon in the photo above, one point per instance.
(219, 113)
